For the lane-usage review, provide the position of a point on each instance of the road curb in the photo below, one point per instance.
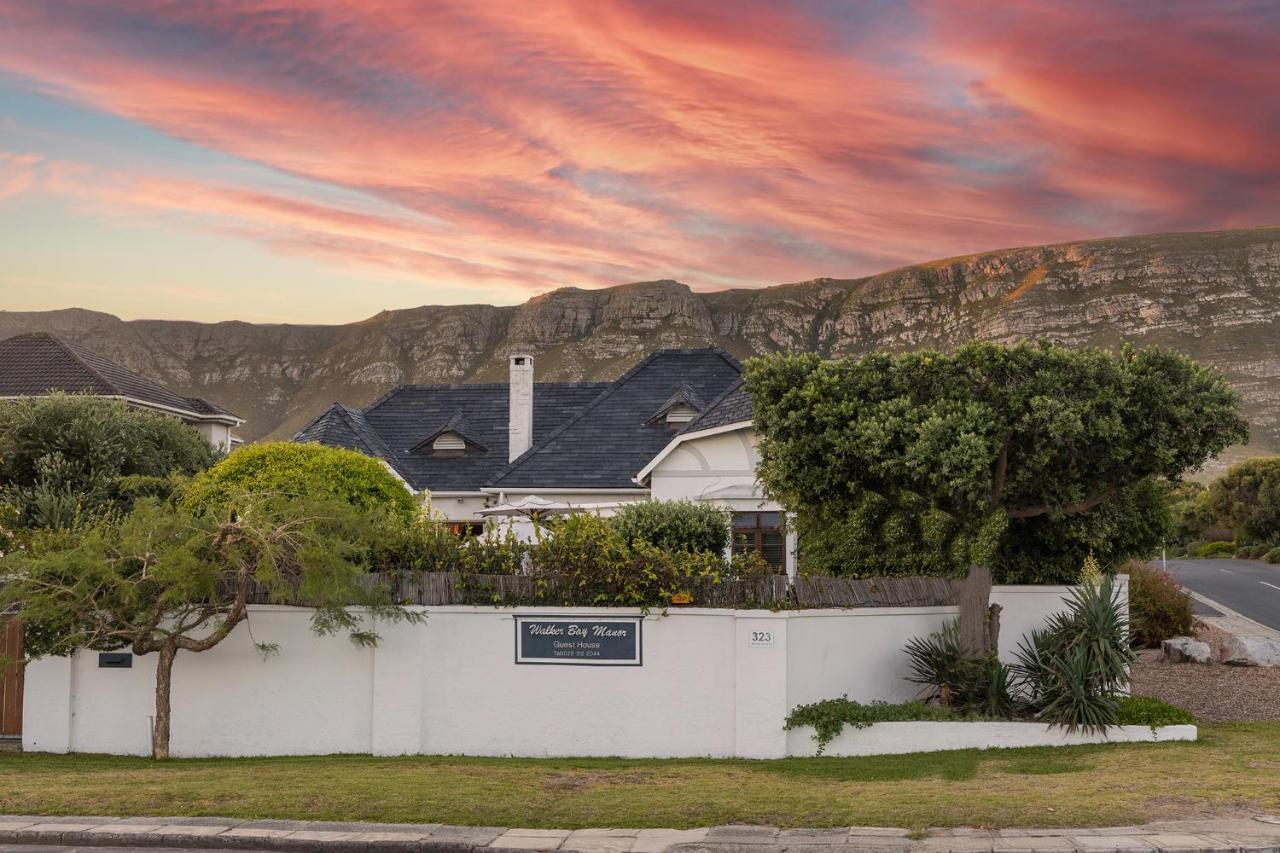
(1240, 835)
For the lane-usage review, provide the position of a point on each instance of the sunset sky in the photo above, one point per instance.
(295, 161)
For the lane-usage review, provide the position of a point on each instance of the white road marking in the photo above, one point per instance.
(1273, 586)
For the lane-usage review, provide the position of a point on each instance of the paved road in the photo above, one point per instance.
(1249, 587)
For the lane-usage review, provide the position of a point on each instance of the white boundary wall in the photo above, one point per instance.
(899, 738)
(451, 685)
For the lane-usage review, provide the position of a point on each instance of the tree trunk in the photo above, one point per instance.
(164, 681)
(979, 618)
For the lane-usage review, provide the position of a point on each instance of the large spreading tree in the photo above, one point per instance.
(1023, 459)
(163, 580)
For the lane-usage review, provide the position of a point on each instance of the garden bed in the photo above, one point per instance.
(898, 738)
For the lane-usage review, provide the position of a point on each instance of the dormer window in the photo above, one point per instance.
(449, 442)
(682, 406)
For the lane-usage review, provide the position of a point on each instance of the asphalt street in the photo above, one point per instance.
(1249, 587)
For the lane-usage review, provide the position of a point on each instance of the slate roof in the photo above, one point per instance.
(38, 362)
(733, 406)
(398, 428)
(612, 439)
(585, 434)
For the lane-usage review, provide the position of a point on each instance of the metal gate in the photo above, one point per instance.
(11, 678)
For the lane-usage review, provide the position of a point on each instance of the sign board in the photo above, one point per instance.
(579, 641)
(761, 639)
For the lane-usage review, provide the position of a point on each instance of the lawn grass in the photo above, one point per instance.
(1232, 769)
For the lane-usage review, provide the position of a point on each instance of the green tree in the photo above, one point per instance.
(1189, 512)
(1247, 498)
(65, 458)
(162, 580)
(1022, 458)
(308, 470)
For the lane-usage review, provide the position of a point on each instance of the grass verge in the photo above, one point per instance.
(1231, 770)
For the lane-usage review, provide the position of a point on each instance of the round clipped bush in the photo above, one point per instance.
(1216, 549)
(1158, 608)
(673, 525)
(308, 470)
(1272, 556)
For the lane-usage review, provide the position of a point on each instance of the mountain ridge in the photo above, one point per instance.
(1213, 295)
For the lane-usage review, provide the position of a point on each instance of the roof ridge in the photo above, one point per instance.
(711, 407)
(483, 386)
(70, 349)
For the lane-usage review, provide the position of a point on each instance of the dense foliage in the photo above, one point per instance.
(591, 563)
(428, 545)
(311, 470)
(673, 525)
(163, 580)
(1247, 499)
(1025, 457)
(953, 679)
(1158, 608)
(68, 459)
(1149, 711)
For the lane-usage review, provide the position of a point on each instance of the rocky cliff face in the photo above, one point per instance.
(1215, 296)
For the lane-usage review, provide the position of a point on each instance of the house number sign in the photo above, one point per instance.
(579, 642)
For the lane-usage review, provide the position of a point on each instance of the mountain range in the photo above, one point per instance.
(1214, 296)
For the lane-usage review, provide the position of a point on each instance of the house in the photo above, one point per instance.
(38, 363)
(670, 427)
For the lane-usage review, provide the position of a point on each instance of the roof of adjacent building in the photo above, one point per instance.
(585, 434)
(38, 363)
(732, 407)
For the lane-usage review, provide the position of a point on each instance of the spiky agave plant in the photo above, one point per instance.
(1074, 671)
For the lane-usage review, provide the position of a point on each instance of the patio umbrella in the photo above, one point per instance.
(531, 506)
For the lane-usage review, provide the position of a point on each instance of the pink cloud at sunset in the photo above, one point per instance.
(513, 147)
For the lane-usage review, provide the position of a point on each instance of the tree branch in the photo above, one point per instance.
(1070, 509)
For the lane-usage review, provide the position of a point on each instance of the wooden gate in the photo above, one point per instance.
(11, 678)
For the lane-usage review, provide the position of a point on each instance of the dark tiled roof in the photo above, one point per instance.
(609, 441)
(684, 394)
(38, 363)
(734, 406)
(398, 428)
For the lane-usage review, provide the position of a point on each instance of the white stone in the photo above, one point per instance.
(1186, 650)
(1252, 651)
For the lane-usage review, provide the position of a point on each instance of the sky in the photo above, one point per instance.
(314, 161)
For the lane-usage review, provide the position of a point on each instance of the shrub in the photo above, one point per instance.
(303, 470)
(1158, 608)
(1216, 549)
(1253, 552)
(954, 680)
(1148, 711)
(1272, 556)
(590, 561)
(62, 457)
(1071, 673)
(673, 525)
(830, 716)
(1247, 498)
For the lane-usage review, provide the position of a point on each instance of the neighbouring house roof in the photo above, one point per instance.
(609, 441)
(37, 363)
(585, 434)
(731, 407)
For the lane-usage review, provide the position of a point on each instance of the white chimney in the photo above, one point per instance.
(520, 414)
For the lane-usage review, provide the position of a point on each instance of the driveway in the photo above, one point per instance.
(1249, 587)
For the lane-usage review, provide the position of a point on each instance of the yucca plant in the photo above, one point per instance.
(954, 680)
(1073, 672)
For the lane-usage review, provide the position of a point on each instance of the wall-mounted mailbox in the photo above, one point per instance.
(115, 660)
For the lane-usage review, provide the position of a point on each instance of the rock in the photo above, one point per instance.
(1186, 650)
(1252, 651)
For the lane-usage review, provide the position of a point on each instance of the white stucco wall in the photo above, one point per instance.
(698, 468)
(451, 685)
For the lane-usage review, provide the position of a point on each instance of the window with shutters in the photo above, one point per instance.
(763, 533)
